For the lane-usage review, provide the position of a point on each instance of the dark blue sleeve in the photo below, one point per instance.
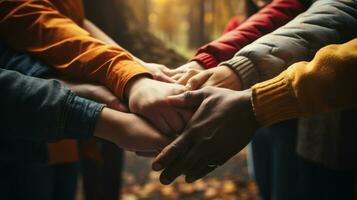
(23, 63)
(43, 110)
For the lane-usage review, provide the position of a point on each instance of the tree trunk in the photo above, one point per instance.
(117, 19)
(197, 24)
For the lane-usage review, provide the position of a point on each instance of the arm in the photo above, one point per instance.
(326, 22)
(159, 72)
(227, 118)
(274, 15)
(37, 109)
(44, 110)
(61, 43)
(327, 83)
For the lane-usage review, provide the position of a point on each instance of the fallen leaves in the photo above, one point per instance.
(231, 182)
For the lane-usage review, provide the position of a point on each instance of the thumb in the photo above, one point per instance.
(188, 99)
(198, 80)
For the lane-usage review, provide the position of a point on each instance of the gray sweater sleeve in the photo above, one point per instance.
(43, 110)
(325, 22)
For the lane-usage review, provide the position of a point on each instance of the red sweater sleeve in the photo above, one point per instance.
(233, 24)
(273, 16)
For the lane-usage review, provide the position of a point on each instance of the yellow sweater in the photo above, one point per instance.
(327, 83)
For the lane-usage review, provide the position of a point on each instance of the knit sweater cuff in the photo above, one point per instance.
(205, 60)
(274, 101)
(245, 70)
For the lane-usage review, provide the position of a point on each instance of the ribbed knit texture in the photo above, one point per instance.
(245, 69)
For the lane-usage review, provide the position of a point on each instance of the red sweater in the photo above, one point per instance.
(273, 16)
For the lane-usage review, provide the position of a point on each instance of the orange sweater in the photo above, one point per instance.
(51, 30)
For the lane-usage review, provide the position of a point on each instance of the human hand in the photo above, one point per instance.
(186, 71)
(160, 72)
(96, 93)
(223, 125)
(129, 132)
(148, 98)
(221, 76)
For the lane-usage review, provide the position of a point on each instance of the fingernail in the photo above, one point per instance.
(157, 167)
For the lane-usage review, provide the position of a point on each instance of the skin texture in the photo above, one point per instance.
(116, 126)
(147, 98)
(222, 77)
(119, 128)
(96, 93)
(198, 150)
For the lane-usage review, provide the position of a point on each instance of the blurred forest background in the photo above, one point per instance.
(186, 24)
(150, 28)
(169, 32)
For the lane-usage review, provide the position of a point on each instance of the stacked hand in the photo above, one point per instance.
(222, 125)
(115, 126)
(147, 98)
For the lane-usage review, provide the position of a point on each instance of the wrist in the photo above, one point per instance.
(134, 84)
(246, 103)
(235, 79)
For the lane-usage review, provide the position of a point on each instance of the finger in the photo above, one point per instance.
(160, 123)
(177, 76)
(168, 72)
(174, 120)
(163, 77)
(188, 99)
(187, 76)
(180, 166)
(199, 172)
(185, 115)
(198, 80)
(147, 154)
(171, 152)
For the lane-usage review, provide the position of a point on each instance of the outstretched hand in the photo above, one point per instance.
(223, 125)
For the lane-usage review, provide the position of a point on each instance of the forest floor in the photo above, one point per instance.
(230, 182)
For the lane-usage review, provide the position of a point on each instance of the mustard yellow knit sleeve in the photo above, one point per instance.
(327, 83)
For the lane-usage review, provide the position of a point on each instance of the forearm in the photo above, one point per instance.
(327, 83)
(23, 63)
(37, 109)
(49, 34)
(97, 33)
(297, 41)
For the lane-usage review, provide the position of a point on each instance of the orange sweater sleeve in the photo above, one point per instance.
(327, 83)
(38, 28)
